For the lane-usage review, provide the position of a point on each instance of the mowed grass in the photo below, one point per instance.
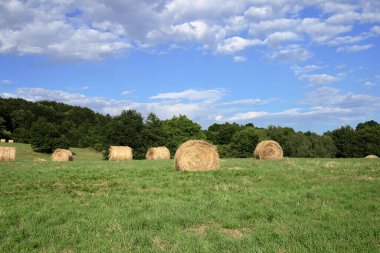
(91, 205)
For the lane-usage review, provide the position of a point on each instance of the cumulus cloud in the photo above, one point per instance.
(93, 30)
(235, 44)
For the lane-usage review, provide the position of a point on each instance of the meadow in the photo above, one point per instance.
(92, 205)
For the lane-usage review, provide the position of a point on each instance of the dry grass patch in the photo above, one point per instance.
(233, 233)
(330, 165)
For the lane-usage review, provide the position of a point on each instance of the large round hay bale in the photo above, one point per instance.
(158, 153)
(268, 150)
(62, 155)
(10, 141)
(120, 153)
(2, 140)
(371, 156)
(7, 154)
(196, 155)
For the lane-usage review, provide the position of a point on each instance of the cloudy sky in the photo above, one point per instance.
(308, 64)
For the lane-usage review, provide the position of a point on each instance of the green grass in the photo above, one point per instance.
(91, 205)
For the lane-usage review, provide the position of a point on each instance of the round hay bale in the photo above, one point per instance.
(196, 155)
(120, 153)
(10, 141)
(62, 155)
(7, 154)
(158, 153)
(371, 156)
(2, 140)
(268, 150)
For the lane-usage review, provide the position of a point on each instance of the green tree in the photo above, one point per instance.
(22, 118)
(244, 142)
(367, 137)
(222, 133)
(44, 137)
(345, 142)
(180, 129)
(284, 136)
(21, 135)
(154, 134)
(126, 130)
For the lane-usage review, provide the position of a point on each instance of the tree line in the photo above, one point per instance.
(48, 125)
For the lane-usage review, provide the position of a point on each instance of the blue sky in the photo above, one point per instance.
(311, 65)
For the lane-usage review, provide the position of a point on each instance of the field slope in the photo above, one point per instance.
(91, 205)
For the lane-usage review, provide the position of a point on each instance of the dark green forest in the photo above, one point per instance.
(48, 125)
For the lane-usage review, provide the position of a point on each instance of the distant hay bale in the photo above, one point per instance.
(10, 141)
(158, 153)
(62, 155)
(2, 140)
(7, 154)
(39, 160)
(120, 153)
(371, 156)
(196, 155)
(268, 150)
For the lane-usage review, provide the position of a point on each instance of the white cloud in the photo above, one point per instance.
(206, 95)
(256, 101)
(292, 53)
(369, 84)
(324, 104)
(317, 79)
(354, 48)
(248, 115)
(279, 37)
(235, 44)
(305, 69)
(126, 93)
(240, 58)
(6, 82)
(93, 30)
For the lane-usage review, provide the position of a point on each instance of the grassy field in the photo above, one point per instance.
(91, 205)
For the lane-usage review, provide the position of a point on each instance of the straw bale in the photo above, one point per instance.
(268, 150)
(120, 153)
(371, 156)
(7, 154)
(196, 155)
(10, 141)
(158, 153)
(62, 155)
(2, 140)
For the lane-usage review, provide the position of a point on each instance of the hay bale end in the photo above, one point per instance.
(62, 155)
(158, 153)
(7, 154)
(120, 153)
(196, 155)
(268, 150)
